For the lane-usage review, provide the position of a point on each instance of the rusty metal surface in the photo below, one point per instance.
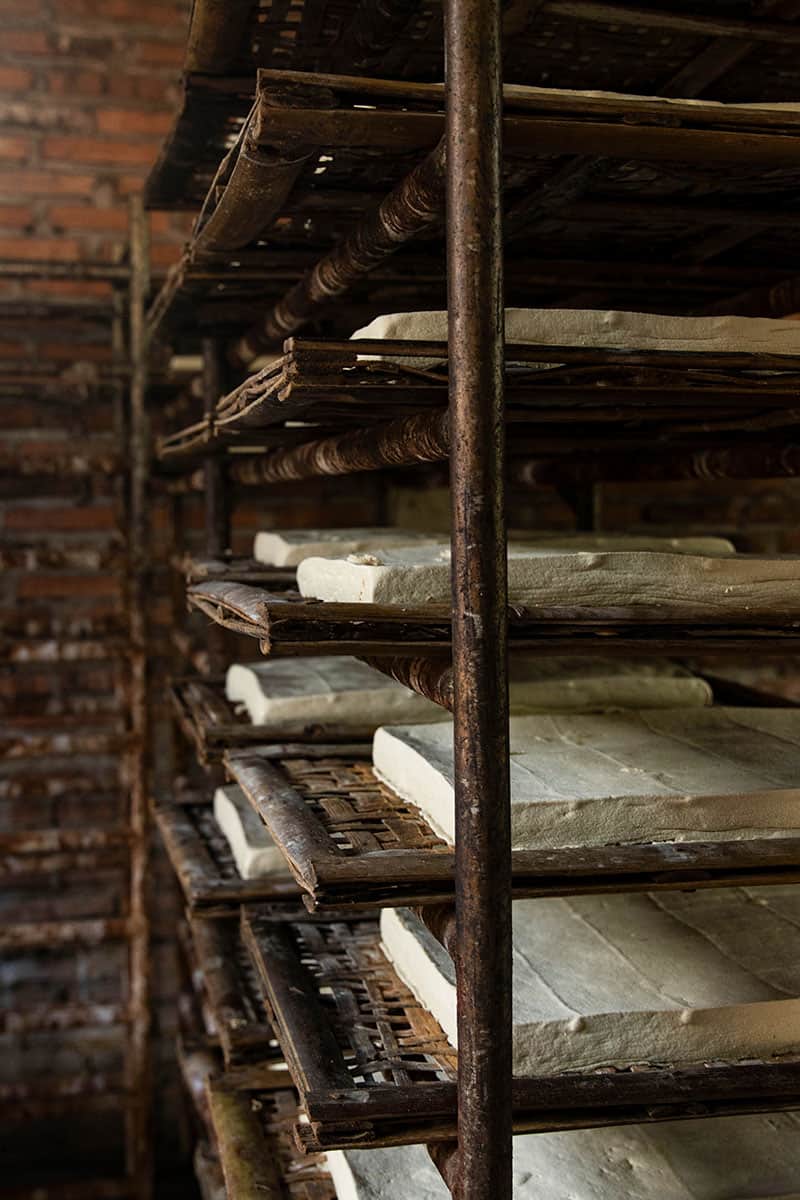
(480, 625)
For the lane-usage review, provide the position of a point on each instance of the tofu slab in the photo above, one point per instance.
(332, 694)
(723, 1158)
(720, 584)
(288, 548)
(610, 329)
(622, 979)
(254, 851)
(538, 685)
(324, 693)
(659, 775)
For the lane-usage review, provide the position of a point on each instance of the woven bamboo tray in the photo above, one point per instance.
(373, 1068)
(326, 382)
(351, 841)
(202, 860)
(212, 725)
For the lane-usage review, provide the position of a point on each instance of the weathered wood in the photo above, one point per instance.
(774, 33)
(244, 1034)
(249, 1168)
(293, 1003)
(345, 988)
(351, 841)
(289, 624)
(209, 881)
(408, 210)
(417, 439)
(254, 1137)
(212, 726)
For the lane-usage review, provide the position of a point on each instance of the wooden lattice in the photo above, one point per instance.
(359, 812)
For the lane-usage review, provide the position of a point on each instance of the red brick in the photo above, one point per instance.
(31, 586)
(68, 287)
(97, 518)
(15, 216)
(71, 352)
(46, 183)
(84, 83)
(129, 185)
(16, 148)
(93, 150)
(164, 255)
(86, 216)
(15, 79)
(129, 120)
(25, 41)
(166, 54)
(56, 249)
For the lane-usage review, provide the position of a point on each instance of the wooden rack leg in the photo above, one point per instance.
(138, 1132)
(483, 842)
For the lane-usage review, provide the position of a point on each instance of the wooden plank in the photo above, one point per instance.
(204, 886)
(289, 624)
(309, 1045)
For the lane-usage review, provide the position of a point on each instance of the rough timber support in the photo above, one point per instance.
(483, 841)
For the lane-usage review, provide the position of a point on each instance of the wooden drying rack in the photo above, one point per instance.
(371, 416)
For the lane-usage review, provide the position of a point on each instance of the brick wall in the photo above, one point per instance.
(87, 89)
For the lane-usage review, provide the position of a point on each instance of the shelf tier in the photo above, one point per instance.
(212, 725)
(289, 624)
(257, 1150)
(203, 863)
(351, 841)
(373, 1068)
(547, 389)
(239, 570)
(622, 49)
(231, 991)
(373, 182)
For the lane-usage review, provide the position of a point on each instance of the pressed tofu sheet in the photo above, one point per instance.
(624, 979)
(658, 775)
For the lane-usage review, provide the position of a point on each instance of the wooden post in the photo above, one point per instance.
(476, 354)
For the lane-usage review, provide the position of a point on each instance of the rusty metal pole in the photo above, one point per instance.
(139, 1068)
(483, 839)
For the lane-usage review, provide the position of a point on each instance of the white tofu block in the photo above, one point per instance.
(723, 1158)
(288, 548)
(724, 585)
(324, 693)
(254, 851)
(591, 779)
(604, 330)
(548, 685)
(622, 979)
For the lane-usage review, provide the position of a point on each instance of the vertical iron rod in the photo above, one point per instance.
(483, 839)
(139, 1134)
